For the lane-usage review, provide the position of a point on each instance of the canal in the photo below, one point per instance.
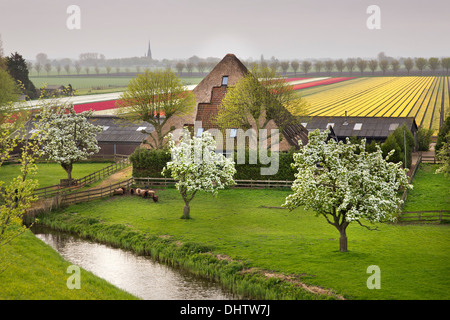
(139, 275)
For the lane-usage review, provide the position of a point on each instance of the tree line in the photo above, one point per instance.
(95, 63)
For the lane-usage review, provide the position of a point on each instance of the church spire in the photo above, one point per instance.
(149, 51)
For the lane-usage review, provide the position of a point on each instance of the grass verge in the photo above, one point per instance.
(34, 271)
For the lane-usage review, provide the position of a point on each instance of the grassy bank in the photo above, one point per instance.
(49, 174)
(37, 272)
(430, 192)
(242, 239)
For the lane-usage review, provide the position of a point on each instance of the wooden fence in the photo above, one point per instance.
(79, 183)
(93, 194)
(430, 159)
(149, 181)
(411, 174)
(426, 216)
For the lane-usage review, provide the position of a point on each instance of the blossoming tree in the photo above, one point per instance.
(69, 137)
(344, 183)
(197, 167)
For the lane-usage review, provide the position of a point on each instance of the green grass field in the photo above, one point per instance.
(49, 174)
(413, 259)
(35, 271)
(430, 190)
(89, 84)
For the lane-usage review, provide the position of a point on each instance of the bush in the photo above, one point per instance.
(424, 139)
(396, 141)
(149, 162)
(441, 138)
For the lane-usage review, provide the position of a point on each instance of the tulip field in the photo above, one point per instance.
(424, 98)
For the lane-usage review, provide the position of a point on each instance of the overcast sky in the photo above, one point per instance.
(285, 29)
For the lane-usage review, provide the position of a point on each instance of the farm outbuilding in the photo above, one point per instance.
(119, 136)
(371, 128)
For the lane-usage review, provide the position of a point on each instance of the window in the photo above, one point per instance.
(304, 124)
(141, 128)
(393, 126)
(199, 132)
(105, 128)
(225, 80)
(357, 126)
(233, 133)
(330, 125)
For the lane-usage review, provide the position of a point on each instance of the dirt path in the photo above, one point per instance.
(121, 175)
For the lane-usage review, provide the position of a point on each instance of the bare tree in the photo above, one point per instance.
(340, 65)
(58, 68)
(108, 69)
(329, 64)
(373, 65)
(189, 67)
(421, 63)
(384, 65)
(284, 66)
(295, 65)
(361, 64)
(67, 68)
(409, 64)
(433, 63)
(306, 66)
(48, 68)
(274, 65)
(86, 69)
(318, 65)
(78, 68)
(350, 64)
(201, 66)
(180, 66)
(445, 62)
(395, 64)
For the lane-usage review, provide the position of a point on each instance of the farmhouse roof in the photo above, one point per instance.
(213, 88)
(118, 130)
(368, 127)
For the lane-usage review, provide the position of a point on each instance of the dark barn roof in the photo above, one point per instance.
(377, 128)
(117, 130)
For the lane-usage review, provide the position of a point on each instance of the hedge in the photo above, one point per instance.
(149, 163)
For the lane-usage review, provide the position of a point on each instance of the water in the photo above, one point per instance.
(138, 275)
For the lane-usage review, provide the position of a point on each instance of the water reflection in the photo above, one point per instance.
(139, 275)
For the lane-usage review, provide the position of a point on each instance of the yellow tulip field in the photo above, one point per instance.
(425, 98)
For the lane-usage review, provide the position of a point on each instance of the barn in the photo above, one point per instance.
(371, 128)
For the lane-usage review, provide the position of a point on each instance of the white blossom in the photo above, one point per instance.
(197, 167)
(345, 183)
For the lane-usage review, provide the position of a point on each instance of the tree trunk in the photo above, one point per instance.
(186, 211)
(343, 242)
(68, 168)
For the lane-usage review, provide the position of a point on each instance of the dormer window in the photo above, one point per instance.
(225, 81)
(233, 133)
(200, 132)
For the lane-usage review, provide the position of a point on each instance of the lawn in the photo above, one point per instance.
(35, 271)
(49, 174)
(430, 190)
(413, 259)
